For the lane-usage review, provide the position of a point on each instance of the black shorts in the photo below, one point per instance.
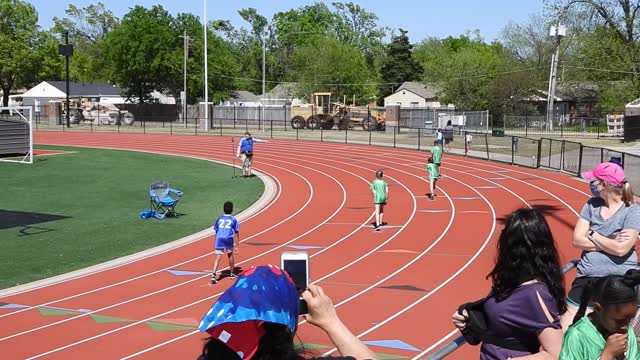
(447, 141)
(382, 203)
(577, 288)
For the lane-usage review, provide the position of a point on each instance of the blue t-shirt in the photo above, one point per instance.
(246, 145)
(225, 227)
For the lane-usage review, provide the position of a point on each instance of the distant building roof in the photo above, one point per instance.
(242, 95)
(427, 91)
(281, 92)
(87, 88)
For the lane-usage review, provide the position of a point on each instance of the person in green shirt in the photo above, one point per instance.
(605, 333)
(436, 153)
(380, 191)
(432, 168)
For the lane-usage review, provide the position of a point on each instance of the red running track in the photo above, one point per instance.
(401, 283)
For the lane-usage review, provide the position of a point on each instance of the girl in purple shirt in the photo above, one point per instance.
(528, 292)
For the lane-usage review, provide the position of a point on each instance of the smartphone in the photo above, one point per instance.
(296, 264)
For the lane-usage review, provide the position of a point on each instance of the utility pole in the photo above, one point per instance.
(184, 92)
(557, 32)
(66, 50)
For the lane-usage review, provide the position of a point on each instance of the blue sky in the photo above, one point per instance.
(422, 18)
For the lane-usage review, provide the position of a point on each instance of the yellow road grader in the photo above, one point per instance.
(323, 113)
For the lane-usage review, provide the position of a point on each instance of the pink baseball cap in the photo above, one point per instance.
(608, 172)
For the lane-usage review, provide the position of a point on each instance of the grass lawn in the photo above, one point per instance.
(101, 192)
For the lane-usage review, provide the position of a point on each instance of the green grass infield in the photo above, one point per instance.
(92, 199)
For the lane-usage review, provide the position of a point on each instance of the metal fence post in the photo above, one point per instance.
(513, 150)
(394, 136)
(562, 155)
(346, 132)
(369, 136)
(580, 161)
(235, 116)
(171, 126)
(486, 142)
(284, 116)
(539, 152)
(144, 126)
(419, 131)
(271, 129)
(220, 124)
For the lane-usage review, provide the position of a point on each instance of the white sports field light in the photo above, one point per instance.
(16, 134)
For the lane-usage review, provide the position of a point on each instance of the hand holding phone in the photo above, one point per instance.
(296, 264)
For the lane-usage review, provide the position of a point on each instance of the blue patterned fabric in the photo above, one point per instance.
(264, 293)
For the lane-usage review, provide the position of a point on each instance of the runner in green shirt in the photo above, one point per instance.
(605, 334)
(436, 153)
(380, 191)
(432, 168)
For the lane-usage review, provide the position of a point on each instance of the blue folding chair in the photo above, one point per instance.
(161, 201)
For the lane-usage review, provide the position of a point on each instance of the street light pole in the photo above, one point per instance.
(206, 73)
(264, 74)
(66, 67)
(66, 50)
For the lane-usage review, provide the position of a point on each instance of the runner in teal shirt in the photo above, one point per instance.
(380, 195)
(432, 168)
(436, 153)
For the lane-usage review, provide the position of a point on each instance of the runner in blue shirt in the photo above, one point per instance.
(245, 152)
(227, 240)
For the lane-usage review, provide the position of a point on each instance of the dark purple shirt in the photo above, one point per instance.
(521, 317)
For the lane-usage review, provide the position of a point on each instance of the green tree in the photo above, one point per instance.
(21, 44)
(142, 50)
(327, 65)
(467, 71)
(87, 29)
(398, 64)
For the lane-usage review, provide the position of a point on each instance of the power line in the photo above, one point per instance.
(373, 84)
(599, 69)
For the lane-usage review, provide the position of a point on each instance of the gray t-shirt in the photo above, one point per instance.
(599, 263)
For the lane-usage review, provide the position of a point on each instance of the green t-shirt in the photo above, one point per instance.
(379, 188)
(433, 170)
(436, 153)
(583, 341)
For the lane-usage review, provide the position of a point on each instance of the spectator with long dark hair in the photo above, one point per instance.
(605, 333)
(527, 295)
(606, 232)
(257, 318)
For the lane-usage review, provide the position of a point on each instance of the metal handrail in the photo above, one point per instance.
(459, 341)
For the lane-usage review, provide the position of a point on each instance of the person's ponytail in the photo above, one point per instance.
(627, 193)
(631, 278)
(584, 301)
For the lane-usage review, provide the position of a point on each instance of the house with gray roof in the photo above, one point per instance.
(281, 95)
(242, 98)
(415, 95)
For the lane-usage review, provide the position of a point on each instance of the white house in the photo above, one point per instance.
(415, 95)
(55, 91)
